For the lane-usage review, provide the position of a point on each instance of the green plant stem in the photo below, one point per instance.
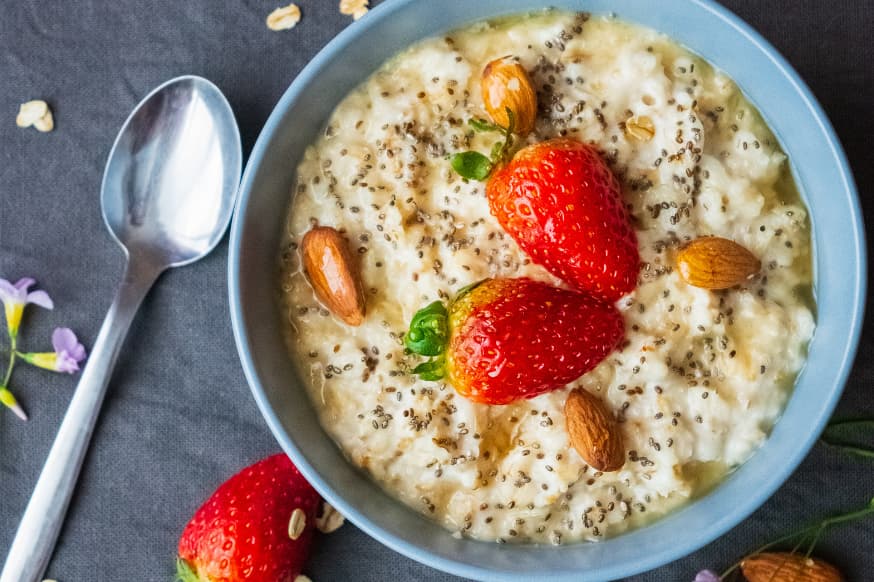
(813, 542)
(833, 437)
(815, 530)
(761, 549)
(858, 451)
(802, 539)
(12, 353)
(852, 516)
(856, 422)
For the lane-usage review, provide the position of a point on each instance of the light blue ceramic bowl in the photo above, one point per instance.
(822, 173)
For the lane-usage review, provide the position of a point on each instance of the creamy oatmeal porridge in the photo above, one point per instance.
(701, 376)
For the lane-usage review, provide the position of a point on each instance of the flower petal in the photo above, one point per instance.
(63, 338)
(707, 576)
(65, 342)
(24, 283)
(65, 363)
(7, 291)
(78, 353)
(40, 298)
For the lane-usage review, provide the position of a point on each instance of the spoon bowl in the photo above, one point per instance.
(175, 155)
(168, 193)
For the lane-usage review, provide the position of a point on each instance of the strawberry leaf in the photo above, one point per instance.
(508, 134)
(429, 331)
(483, 126)
(468, 288)
(184, 572)
(502, 148)
(511, 126)
(497, 152)
(474, 165)
(432, 370)
(471, 165)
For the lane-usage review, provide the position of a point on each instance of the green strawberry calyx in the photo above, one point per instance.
(184, 572)
(473, 165)
(429, 336)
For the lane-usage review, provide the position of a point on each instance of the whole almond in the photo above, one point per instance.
(593, 431)
(716, 263)
(333, 274)
(786, 567)
(505, 85)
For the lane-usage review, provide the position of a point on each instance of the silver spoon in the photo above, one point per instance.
(168, 192)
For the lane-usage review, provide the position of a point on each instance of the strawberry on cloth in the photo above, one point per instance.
(502, 340)
(256, 527)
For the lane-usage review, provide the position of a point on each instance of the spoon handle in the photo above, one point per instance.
(44, 516)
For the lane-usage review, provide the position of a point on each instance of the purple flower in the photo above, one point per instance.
(70, 352)
(66, 357)
(15, 297)
(707, 576)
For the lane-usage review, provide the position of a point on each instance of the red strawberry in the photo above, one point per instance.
(562, 204)
(506, 339)
(250, 529)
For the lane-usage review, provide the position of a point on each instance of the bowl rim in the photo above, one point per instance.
(742, 510)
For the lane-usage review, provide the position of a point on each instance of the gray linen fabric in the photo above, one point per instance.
(179, 417)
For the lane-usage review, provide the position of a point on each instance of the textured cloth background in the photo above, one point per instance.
(179, 417)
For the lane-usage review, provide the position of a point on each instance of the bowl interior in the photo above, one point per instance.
(826, 185)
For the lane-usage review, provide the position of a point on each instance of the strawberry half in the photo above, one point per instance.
(562, 205)
(506, 339)
(256, 527)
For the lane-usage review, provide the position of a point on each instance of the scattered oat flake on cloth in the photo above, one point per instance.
(283, 18)
(330, 520)
(354, 8)
(37, 114)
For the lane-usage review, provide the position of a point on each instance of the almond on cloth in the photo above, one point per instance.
(786, 567)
